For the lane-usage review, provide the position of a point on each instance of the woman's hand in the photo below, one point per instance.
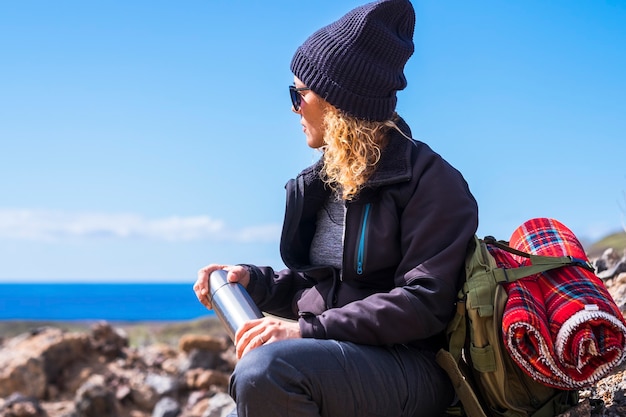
(236, 273)
(255, 333)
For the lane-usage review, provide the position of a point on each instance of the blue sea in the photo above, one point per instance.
(100, 301)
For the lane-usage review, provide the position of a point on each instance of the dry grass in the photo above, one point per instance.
(617, 241)
(139, 333)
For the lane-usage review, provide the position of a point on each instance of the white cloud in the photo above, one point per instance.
(52, 226)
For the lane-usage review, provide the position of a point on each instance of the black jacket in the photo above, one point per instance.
(405, 239)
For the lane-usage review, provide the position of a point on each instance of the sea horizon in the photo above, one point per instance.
(109, 301)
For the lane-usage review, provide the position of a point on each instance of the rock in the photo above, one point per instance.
(31, 361)
(144, 397)
(618, 291)
(207, 352)
(220, 405)
(162, 384)
(60, 408)
(196, 396)
(199, 358)
(18, 405)
(95, 399)
(212, 344)
(107, 340)
(609, 257)
(199, 379)
(166, 407)
(613, 270)
(22, 374)
(62, 350)
(609, 264)
(196, 409)
(157, 354)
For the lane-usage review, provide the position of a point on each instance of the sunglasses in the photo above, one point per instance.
(296, 97)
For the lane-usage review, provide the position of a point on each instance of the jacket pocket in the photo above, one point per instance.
(313, 300)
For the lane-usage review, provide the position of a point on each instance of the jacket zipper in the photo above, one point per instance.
(360, 255)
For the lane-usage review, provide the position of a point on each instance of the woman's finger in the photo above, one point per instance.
(201, 286)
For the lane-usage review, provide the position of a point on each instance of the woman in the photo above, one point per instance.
(374, 239)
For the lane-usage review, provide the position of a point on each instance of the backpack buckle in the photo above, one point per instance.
(582, 263)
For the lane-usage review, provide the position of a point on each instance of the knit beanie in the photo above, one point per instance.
(357, 62)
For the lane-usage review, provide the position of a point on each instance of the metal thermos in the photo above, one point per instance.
(231, 302)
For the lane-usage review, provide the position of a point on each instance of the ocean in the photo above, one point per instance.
(100, 301)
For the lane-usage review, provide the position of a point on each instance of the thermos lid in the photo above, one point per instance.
(217, 280)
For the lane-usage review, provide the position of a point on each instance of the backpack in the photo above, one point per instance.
(486, 379)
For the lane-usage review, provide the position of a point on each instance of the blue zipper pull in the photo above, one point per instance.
(361, 248)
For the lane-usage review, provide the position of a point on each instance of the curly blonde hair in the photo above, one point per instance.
(352, 148)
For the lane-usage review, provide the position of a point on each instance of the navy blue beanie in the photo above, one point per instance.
(357, 63)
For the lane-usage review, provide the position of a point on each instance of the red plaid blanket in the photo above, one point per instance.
(561, 327)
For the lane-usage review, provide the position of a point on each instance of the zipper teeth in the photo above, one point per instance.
(361, 250)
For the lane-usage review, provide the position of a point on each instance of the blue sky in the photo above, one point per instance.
(141, 140)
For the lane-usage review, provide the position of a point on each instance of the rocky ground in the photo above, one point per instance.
(111, 370)
(611, 268)
(50, 372)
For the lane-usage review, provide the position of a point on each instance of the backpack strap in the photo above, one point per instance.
(462, 387)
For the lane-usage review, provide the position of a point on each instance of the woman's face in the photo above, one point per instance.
(312, 109)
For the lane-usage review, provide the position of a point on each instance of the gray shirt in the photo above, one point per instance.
(327, 245)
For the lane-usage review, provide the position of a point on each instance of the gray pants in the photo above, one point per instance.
(311, 377)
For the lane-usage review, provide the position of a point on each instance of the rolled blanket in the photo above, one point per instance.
(525, 325)
(561, 327)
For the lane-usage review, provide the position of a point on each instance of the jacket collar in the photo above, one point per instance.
(395, 160)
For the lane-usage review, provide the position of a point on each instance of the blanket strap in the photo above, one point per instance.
(538, 265)
(504, 246)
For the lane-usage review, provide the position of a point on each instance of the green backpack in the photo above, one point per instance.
(485, 378)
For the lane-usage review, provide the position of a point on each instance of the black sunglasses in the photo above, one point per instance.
(296, 97)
